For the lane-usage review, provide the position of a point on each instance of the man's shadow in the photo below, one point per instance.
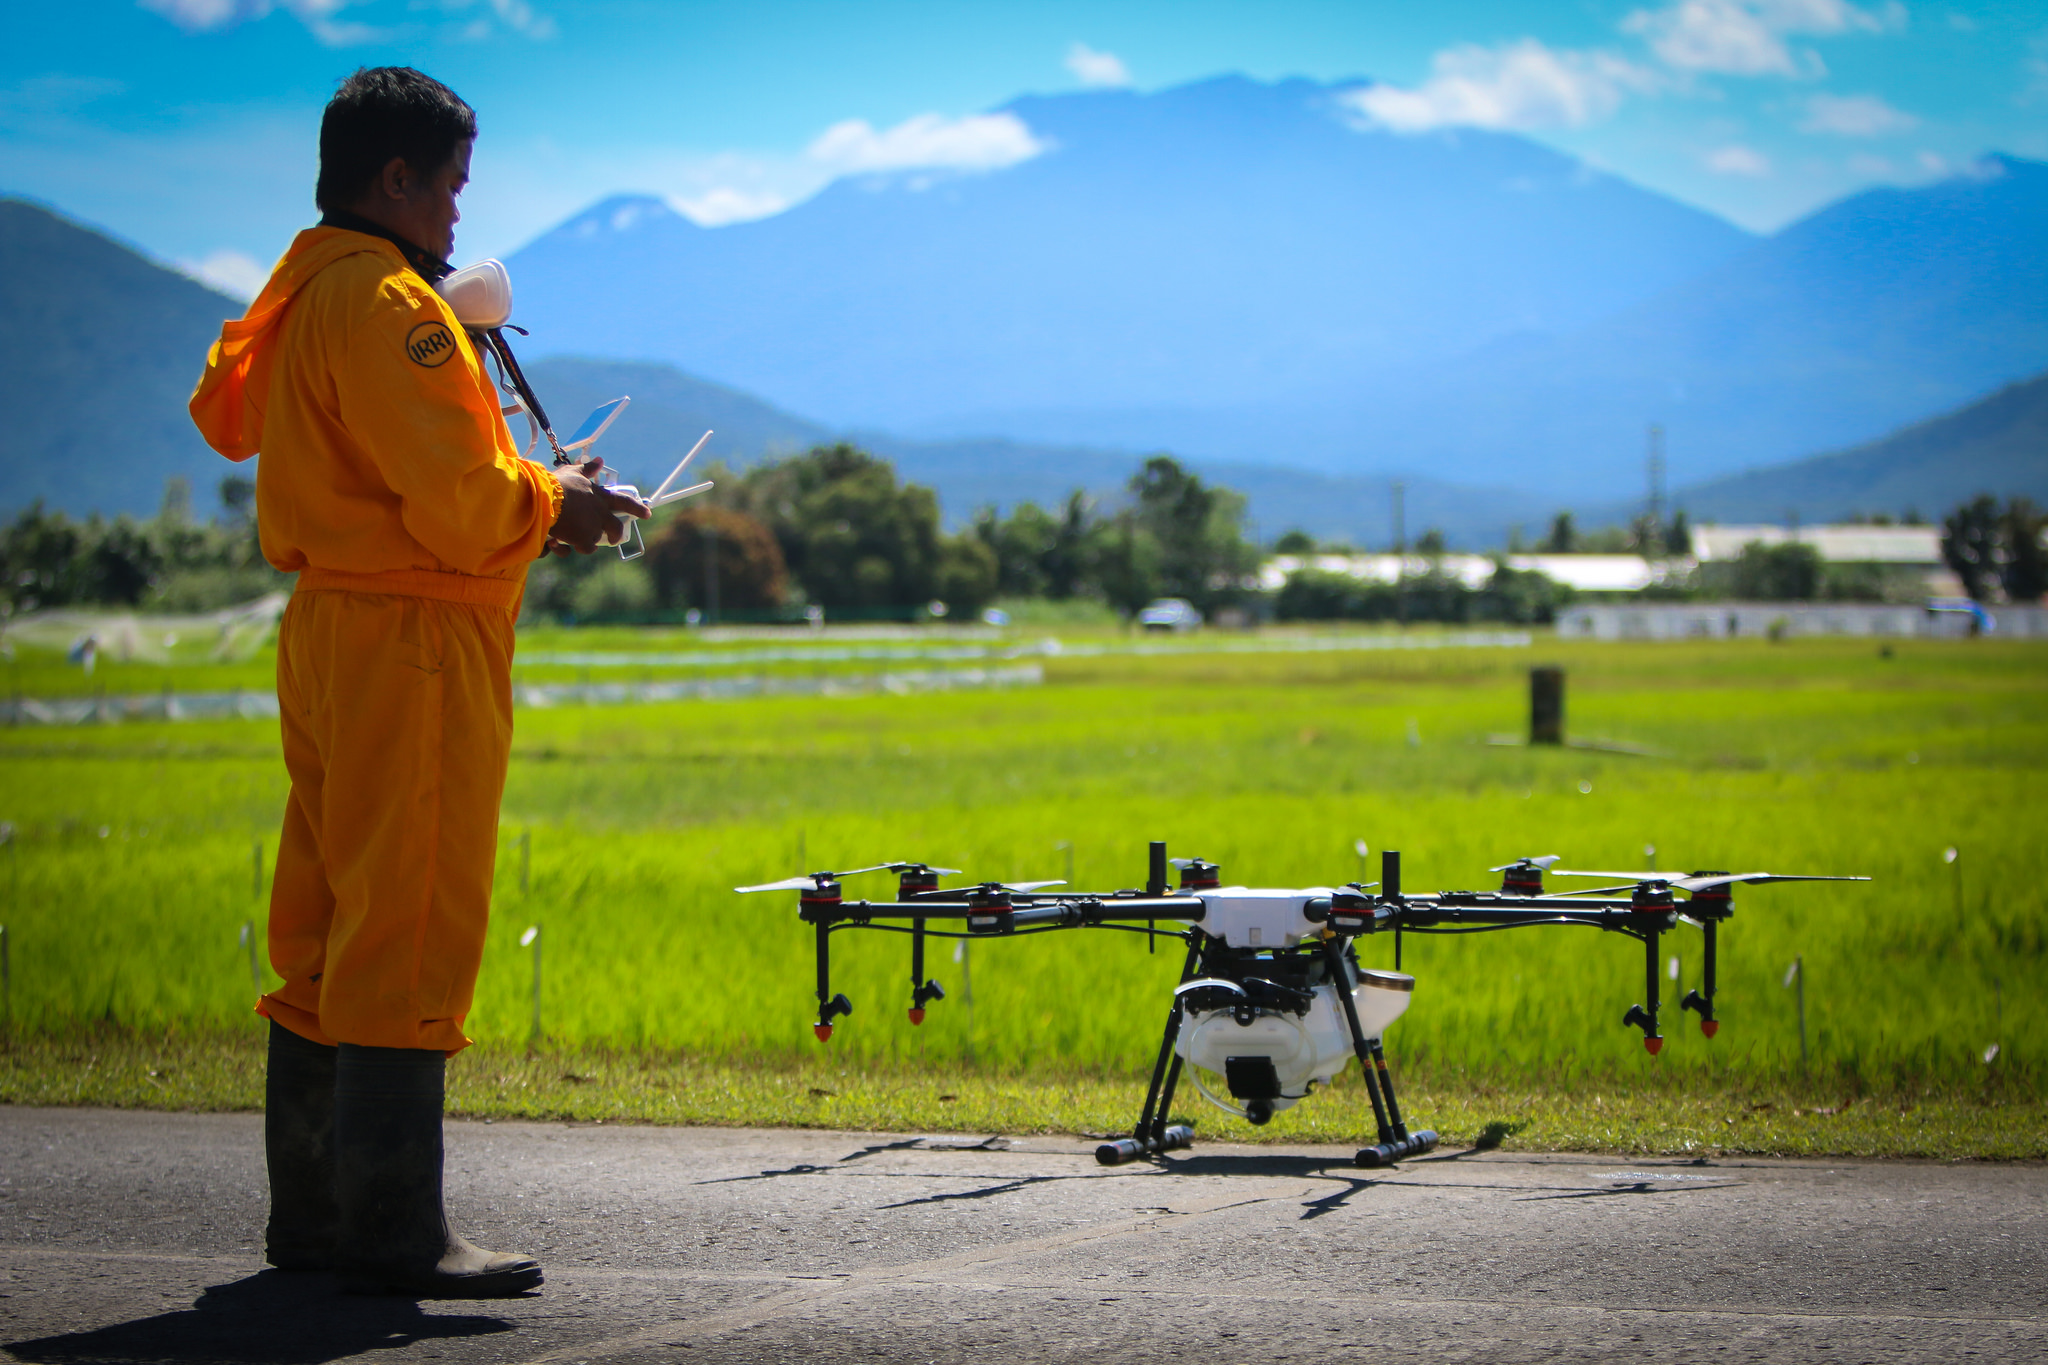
(270, 1318)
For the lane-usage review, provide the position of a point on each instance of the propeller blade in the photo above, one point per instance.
(1544, 862)
(786, 884)
(1611, 876)
(906, 867)
(1029, 886)
(1751, 879)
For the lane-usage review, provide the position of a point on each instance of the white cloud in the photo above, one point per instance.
(977, 142)
(1104, 70)
(1747, 37)
(205, 16)
(724, 204)
(232, 272)
(321, 17)
(1935, 164)
(1855, 116)
(1519, 86)
(1736, 159)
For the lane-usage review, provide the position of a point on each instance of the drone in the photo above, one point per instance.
(1272, 1001)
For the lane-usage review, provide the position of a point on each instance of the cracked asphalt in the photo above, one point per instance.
(133, 1236)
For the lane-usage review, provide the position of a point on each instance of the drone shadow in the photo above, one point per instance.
(1637, 1187)
(269, 1318)
(916, 1144)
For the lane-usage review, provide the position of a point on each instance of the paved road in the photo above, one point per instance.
(136, 1237)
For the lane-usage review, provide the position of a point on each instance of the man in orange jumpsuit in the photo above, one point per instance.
(390, 485)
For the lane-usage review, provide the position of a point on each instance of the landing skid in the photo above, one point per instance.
(1152, 1136)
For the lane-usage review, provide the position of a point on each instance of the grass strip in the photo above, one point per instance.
(121, 1068)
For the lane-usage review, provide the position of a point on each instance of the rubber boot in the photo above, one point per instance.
(298, 1146)
(394, 1236)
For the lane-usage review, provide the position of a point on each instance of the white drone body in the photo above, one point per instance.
(1304, 1050)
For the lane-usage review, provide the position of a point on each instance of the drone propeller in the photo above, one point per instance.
(1028, 886)
(1542, 863)
(803, 883)
(1707, 883)
(810, 879)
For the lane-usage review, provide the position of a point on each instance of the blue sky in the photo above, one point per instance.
(187, 126)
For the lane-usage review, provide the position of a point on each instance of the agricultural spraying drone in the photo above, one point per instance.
(1272, 1000)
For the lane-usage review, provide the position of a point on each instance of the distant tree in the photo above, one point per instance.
(2023, 568)
(1430, 544)
(1521, 596)
(1970, 546)
(1678, 535)
(750, 573)
(237, 499)
(1196, 531)
(1563, 538)
(1037, 553)
(968, 575)
(851, 535)
(1123, 562)
(1295, 543)
(121, 564)
(1778, 573)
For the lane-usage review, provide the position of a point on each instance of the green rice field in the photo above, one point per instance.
(131, 871)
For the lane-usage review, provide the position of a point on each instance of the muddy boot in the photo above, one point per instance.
(298, 1146)
(394, 1236)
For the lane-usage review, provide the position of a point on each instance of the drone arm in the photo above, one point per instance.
(1703, 1004)
(1640, 1016)
(830, 1006)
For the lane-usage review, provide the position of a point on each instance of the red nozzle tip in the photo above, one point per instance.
(1655, 1045)
(824, 1031)
(917, 1015)
(1710, 1027)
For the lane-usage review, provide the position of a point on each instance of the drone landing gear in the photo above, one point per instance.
(1152, 1134)
(1395, 1141)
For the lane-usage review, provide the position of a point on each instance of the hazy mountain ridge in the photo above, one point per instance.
(1230, 240)
(1997, 445)
(99, 350)
(1234, 271)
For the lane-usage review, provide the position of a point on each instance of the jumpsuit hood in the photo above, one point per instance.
(227, 406)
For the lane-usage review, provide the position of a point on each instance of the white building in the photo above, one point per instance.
(1586, 573)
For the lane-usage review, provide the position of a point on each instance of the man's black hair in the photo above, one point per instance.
(381, 112)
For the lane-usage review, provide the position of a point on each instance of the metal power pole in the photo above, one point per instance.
(1400, 497)
(1656, 471)
(710, 573)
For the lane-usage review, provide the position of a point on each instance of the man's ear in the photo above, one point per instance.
(395, 180)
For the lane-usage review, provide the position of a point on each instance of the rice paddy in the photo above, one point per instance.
(132, 869)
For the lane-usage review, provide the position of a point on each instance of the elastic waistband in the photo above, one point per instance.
(442, 587)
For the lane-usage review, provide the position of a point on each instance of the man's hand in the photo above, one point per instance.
(590, 513)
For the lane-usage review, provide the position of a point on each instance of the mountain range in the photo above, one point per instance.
(1236, 272)
(1241, 272)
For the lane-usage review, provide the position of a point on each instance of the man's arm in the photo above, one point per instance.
(410, 392)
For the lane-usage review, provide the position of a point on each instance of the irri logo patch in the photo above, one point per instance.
(430, 344)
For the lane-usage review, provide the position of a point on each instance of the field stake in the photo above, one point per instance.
(525, 859)
(531, 938)
(6, 985)
(249, 942)
(1953, 856)
(1796, 976)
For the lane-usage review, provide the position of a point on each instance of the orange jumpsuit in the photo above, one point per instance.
(390, 485)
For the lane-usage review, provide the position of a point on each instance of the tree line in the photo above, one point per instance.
(834, 529)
